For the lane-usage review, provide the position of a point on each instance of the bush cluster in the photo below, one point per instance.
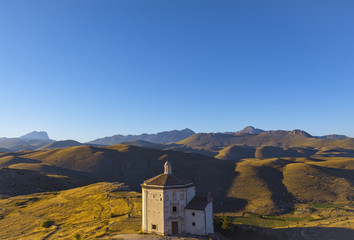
(47, 223)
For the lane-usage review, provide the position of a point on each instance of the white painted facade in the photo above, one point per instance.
(168, 206)
(195, 222)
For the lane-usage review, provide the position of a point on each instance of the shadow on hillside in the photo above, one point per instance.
(217, 177)
(283, 200)
(227, 204)
(16, 160)
(208, 174)
(135, 165)
(47, 169)
(347, 174)
(16, 182)
(313, 233)
(315, 159)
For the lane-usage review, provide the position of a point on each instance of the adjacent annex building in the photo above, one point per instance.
(170, 206)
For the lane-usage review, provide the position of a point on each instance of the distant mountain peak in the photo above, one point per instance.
(250, 130)
(35, 135)
(300, 132)
(187, 130)
(334, 137)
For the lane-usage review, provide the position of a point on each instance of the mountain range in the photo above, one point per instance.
(185, 140)
(161, 137)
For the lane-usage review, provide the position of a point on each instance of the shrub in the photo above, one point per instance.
(47, 223)
(19, 203)
(226, 224)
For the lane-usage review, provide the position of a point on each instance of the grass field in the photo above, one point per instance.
(89, 212)
(305, 215)
(102, 210)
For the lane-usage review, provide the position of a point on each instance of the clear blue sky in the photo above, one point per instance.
(88, 69)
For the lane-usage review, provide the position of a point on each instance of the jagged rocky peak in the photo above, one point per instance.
(41, 135)
(300, 132)
(250, 130)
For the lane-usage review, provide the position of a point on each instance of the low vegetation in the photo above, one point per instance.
(47, 223)
(85, 211)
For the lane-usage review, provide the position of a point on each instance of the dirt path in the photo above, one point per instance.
(150, 237)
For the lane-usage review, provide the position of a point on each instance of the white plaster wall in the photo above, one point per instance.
(144, 214)
(177, 198)
(153, 210)
(209, 218)
(190, 193)
(198, 219)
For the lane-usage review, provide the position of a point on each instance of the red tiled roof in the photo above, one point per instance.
(167, 180)
(197, 203)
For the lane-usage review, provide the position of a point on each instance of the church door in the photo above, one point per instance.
(174, 227)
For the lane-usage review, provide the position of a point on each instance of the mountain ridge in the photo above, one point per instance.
(160, 137)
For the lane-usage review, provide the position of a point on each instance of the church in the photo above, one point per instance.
(171, 207)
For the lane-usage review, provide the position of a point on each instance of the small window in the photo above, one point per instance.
(174, 209)
(182, 196)
(154, 227)
(174, 196)
(193, 224)
(166, 197)
(193, 213)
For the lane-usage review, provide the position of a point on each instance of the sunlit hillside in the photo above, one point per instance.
(88, 212)
(264, 185)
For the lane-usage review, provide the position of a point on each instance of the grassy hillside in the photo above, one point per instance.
(89, 212)
(278, 184)
(123, 163)
(60, 144)
(266, 192)
(236, 153)
(103, 210)
(264, 186)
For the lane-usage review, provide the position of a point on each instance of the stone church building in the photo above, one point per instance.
(170, 206)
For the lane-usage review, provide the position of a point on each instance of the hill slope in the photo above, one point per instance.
(89, 211)
(260, 185)
(60, 144)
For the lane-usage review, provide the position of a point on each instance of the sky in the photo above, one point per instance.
(83, 69)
